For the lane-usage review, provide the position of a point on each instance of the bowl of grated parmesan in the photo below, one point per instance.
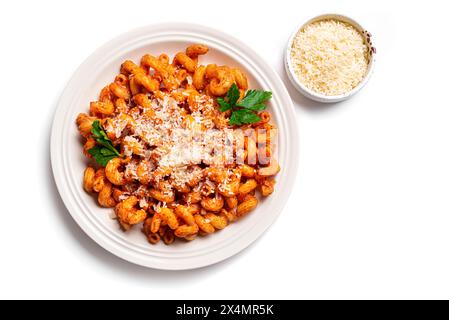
(330, 58)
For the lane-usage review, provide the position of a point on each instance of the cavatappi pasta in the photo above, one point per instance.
(183, 170)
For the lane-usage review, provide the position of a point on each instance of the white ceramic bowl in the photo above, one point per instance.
(68, 162)
(313, 94)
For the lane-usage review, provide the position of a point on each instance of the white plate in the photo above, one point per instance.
(69, 163)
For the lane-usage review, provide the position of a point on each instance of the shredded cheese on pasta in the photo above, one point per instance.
(171, 145)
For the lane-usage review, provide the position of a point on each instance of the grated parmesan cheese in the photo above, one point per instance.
(164, 152)
(329, 57)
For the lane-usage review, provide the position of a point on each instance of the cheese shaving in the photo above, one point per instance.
(330, 57)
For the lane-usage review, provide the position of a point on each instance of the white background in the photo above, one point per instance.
(369, 216)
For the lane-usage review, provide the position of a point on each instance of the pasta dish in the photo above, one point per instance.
(177, 148)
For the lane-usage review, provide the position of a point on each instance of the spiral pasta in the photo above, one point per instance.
(156, 179)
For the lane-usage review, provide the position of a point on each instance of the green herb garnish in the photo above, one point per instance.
(104, 150)
(244, 111)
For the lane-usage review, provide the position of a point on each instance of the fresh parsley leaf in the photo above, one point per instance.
(244, 116)
(244, 111)
(235, 119)
(107, 152)
(233, 94)
(101, 156)
(104, 150)
(98, 132)
(258, 107)
(249, 117)
(253, 98)
(224, 105)
(101, 137)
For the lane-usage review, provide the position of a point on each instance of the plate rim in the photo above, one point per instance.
(56, 145)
